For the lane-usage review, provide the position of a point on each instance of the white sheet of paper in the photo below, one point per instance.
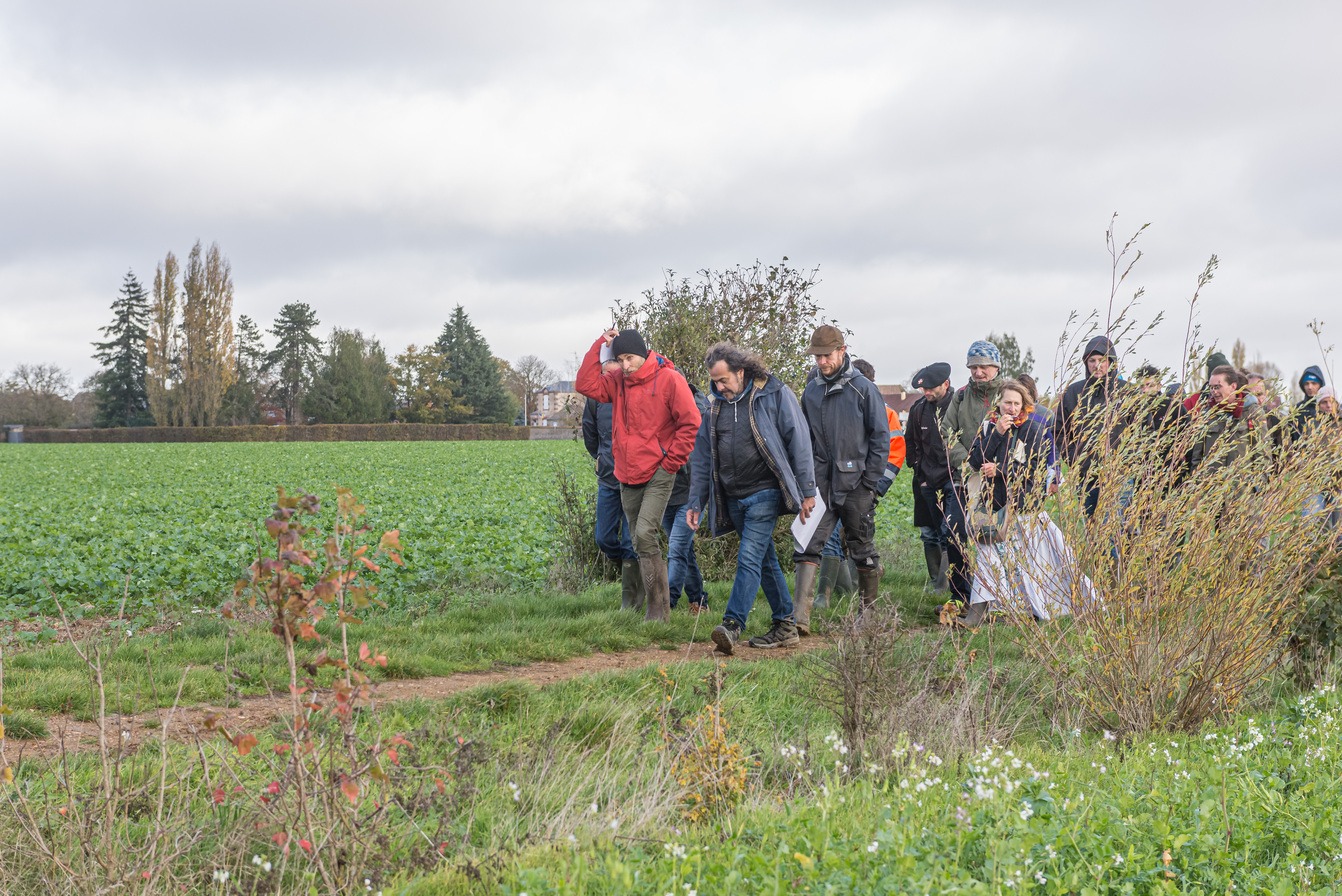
(802, 532)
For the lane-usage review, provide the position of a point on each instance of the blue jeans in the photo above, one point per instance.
(834, 547)
(682, 569)
(754, 517)
(612, 529)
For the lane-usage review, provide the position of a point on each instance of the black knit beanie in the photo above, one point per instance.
(628, 343)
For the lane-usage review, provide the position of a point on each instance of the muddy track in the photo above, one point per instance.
(125, 733)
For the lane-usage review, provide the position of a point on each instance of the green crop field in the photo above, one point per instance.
(182, 521)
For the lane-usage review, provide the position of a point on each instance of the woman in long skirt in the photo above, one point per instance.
(1022, 559)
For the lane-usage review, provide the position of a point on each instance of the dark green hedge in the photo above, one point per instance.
(331, 432)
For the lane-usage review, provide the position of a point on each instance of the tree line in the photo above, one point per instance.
(175, 356)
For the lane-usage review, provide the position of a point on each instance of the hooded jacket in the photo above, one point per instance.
(850, 432)
(1307, 410)
(780, 432)
(962, 418)
(653, 415)
(1078, 418)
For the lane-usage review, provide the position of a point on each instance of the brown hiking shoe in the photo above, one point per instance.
(726, 635)
(783, 634)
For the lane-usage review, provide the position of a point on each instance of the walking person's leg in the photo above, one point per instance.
(858, 513)
(612, 539)
(644, 506)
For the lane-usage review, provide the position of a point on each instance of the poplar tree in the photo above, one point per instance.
(207, 335)
(163, 346)
(120, 396)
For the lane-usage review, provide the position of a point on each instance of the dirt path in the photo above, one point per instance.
(186, 723)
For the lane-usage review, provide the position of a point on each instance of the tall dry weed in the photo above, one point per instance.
(1185, 583)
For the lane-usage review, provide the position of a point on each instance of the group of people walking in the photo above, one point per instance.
(751, 451)
(755, 452)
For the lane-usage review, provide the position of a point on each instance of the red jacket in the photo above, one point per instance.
(654, 419)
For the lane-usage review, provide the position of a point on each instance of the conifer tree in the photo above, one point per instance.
(242, 401)
(294, 359)
(119, 396)
(472, 373)
(353, 383)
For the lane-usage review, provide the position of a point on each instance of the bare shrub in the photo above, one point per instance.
(579, 562)
(887, 686)
(1187, 580)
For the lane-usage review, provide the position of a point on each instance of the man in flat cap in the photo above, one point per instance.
(933, 487)
(850, 439)
(654, 421)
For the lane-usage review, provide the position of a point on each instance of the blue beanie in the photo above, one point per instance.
(984, 352)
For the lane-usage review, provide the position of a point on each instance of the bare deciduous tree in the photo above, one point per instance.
(36, 395)
(528, 376)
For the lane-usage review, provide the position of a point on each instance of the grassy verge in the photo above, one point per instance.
(1249, 807)
(217, 660)
(582, 786)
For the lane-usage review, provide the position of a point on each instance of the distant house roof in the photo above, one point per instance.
(560, 386)
(898, 398)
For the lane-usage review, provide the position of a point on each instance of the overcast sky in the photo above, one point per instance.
(951, 168)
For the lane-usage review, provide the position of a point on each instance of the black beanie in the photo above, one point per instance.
(628, 343)
(932, 375)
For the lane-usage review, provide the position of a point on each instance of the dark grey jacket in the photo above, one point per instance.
(850, 432)
(596, 423)
(781, 433)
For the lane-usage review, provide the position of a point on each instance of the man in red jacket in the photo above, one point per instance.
(654, 422)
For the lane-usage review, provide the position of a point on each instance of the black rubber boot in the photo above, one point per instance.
(632, 594)
(846, 583)
(869, 585)
(829, 575)
(803, 596)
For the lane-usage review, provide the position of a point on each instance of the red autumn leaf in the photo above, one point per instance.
(281, 838)
(218, 795)
(393, 756)
(244, 743)
(350, 789)
(364, 652)
(306, 845)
